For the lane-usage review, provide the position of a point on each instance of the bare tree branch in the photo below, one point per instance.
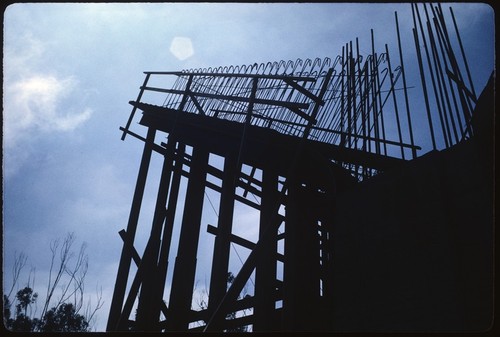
(19, 263)
(89, 312)
(65, 255)
(67, 273)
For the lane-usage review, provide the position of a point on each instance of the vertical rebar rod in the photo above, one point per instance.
(363, 82)
(368, 86)
(442, 85)
(342, 99)
(441, 48)
(424, 87)
(396, 112)
(350, 73)
(456, 73)
(463, 54)
(422, 79)
(360, 100)
(403, 73)
(374, 72)
(381, 108)
(431, 75)
(366, 113)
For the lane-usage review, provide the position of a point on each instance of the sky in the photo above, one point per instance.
(69, 71)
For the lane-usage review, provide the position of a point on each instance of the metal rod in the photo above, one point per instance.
(424, 87)
(368, 105)
(374, 95)
(463, 54)
(295, 107)
(360, 99)
(398, 124)
(431, 75)
(440, 42)
(381, 108)
(456, 75)
(441, 83)
(403, 73)
(350, 95)
(342, 99)
(233, 75)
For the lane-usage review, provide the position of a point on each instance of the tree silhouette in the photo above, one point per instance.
(65, 319)
(22, 322)
(66, 273)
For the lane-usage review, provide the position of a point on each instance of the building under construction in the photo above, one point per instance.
(359, 228)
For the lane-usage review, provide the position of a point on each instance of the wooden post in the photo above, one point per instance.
(185, 264)
(265, 273)
(148, 309)
(222, 245)
(126, 256)
(301, 269)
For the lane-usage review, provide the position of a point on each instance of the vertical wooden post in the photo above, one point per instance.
(169, 219)
(126, 256)
(222, 245)
(301, 270)
(265, 273)
(148, 309)
(185, 264)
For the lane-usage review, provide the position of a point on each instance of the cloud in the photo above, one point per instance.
(37, 100)
(34, 104)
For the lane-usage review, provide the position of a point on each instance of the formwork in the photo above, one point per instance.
(290, 138)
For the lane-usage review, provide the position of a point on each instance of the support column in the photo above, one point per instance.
(185, 264)
(126, 256)
(301, 269)
(222, 245)
(265, 273)
(148, 309)
(169, 219)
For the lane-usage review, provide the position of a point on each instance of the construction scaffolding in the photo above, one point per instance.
(307, 130)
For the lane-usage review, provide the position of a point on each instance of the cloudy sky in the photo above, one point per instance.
(70, 70)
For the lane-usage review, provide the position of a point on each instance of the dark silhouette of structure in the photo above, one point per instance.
(375, 237)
